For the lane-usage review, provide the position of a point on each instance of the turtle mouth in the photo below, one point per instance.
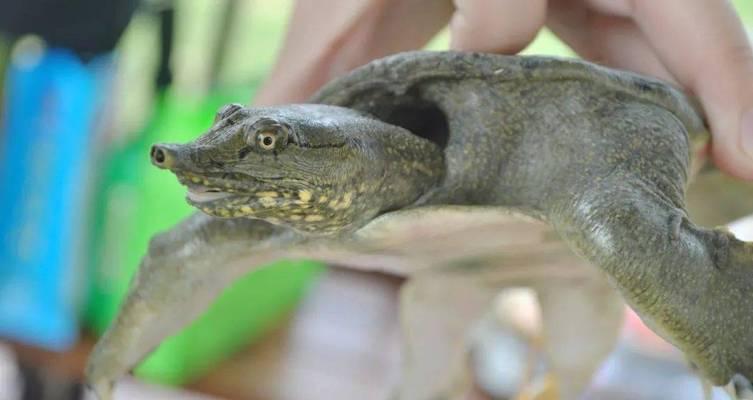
(222, 191)
(200, 194)
(214, 190)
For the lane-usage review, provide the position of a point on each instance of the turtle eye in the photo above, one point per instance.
(226, 111)
(266, 140)
(267, 135)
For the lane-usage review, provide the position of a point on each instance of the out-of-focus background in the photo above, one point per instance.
(87, 87)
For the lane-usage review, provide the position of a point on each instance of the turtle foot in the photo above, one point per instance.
(719, 332)
(692, 286)
(716, 327)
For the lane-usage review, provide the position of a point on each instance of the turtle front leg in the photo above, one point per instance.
(690, 285)
(182, 273)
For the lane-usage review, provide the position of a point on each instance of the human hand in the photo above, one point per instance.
(698, 44)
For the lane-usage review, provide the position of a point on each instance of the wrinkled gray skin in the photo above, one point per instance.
(602, 157)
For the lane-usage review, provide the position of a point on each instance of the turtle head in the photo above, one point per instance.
(318, 169)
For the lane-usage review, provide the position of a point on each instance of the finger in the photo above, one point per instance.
(496, 26)
(397, 25)
(313, 29)
(703, 44)
(327, 38)
(605, 39)
(615, 8)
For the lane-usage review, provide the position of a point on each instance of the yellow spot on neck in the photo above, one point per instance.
(247, 209)
(267, 201)
(322, 199)
(341, 203)
(347, 199)
(304, 195)
(313, 218)
(266, 194)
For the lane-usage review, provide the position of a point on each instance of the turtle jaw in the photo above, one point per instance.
(216, 202)
(308, 209)
(198, 195)
(227, 195)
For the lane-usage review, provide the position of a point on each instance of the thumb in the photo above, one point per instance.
(704, 45)
(729, 104)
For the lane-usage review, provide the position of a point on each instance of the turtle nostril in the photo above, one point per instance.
(161, 156)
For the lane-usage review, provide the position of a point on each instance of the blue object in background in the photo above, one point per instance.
(46, 143)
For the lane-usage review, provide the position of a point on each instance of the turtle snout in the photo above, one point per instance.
(163, 155)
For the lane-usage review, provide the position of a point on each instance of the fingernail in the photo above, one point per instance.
(746, 132)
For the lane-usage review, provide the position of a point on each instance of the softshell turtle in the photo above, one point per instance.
(437, 165)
